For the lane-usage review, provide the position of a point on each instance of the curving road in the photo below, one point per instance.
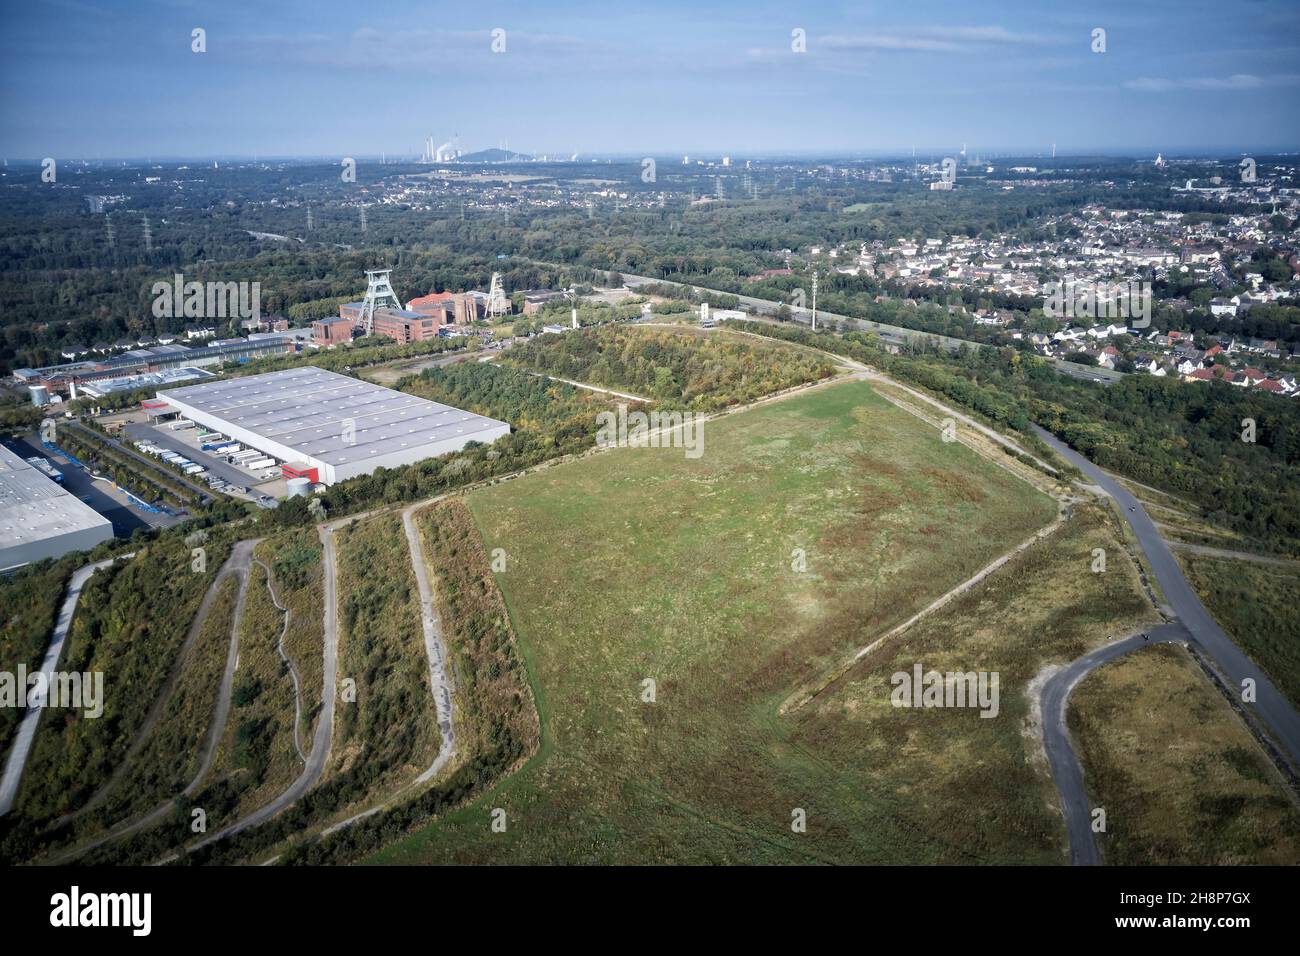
(1066, 770)
(22, 744)
(1271, 708)
(321, 739)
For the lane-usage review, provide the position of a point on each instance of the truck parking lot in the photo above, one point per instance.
(186, 442)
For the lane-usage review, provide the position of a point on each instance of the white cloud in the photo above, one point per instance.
(1237, 81)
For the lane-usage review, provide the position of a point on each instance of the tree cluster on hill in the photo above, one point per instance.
(680, 367)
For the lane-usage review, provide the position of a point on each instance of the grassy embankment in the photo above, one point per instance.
(642, 564)
(1208, 798)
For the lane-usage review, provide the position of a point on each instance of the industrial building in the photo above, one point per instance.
(328, 427)
(39, 519)
(134, 383)
(158, 359)
(332, 331)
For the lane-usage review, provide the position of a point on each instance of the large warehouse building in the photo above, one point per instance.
(329, 427)
(39, 519)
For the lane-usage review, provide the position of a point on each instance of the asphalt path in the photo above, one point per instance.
(1066, 770)
(238, 564)
(22, 744)
(1272, 709)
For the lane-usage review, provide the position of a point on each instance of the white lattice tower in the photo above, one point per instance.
(379, 292)
(497, 305)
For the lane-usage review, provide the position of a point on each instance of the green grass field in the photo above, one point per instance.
(641, 564)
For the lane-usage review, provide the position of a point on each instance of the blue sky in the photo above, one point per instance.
(80, 78)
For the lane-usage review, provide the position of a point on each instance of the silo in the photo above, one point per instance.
(40, 395)
(298, 487)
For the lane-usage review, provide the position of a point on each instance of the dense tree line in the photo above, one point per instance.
(65, 281)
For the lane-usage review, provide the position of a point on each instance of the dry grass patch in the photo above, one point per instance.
(1180, 777)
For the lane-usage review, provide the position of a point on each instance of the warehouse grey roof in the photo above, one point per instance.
(34, 507)
(309, 410)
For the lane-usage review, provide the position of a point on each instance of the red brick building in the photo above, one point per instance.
(439, 305)
(406, 326)
(325, 332)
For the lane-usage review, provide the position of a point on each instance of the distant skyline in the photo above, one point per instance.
(325, 78)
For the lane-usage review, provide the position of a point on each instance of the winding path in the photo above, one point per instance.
(322, 738)
(238, 564)
(1275, 719)
(1270, 706)
(1066, 770)
(293, 671)
(22, 744)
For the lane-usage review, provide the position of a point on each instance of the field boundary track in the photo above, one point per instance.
(809, 692)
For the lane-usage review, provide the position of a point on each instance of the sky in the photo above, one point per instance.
(103, 79)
